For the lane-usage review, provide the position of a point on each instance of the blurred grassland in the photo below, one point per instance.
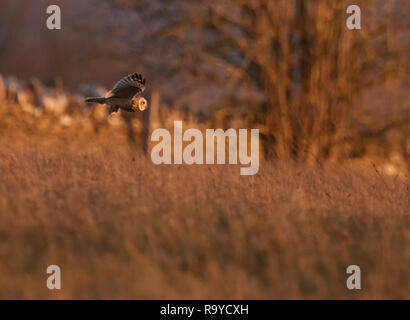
(332, 106)
(121, 227)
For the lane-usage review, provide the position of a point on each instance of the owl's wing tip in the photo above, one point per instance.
(137, 77)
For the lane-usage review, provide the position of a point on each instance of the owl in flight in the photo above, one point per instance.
(124, 95)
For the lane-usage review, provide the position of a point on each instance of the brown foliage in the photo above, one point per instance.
(74, 193)
(310, 68)
(121, 227)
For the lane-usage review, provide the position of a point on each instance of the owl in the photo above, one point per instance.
(124, 95)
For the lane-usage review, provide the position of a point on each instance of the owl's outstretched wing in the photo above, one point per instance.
(129, 86)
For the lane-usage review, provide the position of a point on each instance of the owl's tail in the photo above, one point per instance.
(99, 100)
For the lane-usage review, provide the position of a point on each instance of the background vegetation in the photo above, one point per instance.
(121, 227)
(78, 190)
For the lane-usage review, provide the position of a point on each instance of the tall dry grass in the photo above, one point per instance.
(76, 191)
(121, 227)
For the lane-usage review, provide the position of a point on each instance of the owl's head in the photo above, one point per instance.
(139, 103)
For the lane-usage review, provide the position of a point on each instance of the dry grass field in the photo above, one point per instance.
(332, 106)
(121, 227)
